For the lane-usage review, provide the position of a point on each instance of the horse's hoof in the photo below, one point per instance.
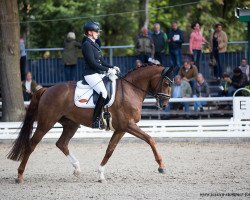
(162, 170)
(77, 173)
(102, 181)
(19, 180)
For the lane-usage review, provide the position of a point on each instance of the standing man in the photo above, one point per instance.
(22, 59)
(144, 46)
(218, 46)
(159, 39)
(175, 40)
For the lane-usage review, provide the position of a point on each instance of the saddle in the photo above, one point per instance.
(86, 97)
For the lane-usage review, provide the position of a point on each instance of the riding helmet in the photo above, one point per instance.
(91, 26)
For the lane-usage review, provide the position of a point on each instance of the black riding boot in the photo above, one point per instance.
(97, 112)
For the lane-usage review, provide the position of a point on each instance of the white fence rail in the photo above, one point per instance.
(156, 128)
(175, 100)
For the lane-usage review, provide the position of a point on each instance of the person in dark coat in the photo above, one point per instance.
(175, 40)
(160, 41)
(95, 67)
(69, 56)
(201, 89)
(238, 80)
(22, 58)
(144, 46)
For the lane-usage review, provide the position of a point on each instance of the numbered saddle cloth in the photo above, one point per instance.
(86, 97)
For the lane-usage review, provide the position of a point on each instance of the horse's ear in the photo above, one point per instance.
(167, 71)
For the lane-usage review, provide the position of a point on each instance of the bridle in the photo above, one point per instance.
(158, 95)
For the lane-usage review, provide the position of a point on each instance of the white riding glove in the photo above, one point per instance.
(117, 69)
(112, 71)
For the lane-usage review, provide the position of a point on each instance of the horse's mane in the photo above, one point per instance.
(144, 65)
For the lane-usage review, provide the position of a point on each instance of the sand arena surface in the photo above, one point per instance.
(131, 173)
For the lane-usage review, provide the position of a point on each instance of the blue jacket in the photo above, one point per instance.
(94, 62)
(175, 44)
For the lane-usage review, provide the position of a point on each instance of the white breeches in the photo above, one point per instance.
(95, 81)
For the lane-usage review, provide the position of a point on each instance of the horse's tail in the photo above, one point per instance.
(22, 143)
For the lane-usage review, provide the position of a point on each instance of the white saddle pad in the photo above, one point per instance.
(84, 95)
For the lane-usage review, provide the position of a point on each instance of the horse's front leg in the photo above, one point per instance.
(116, 137)
(137, 132)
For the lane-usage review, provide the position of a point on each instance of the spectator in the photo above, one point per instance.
(244, 67)
(180, 89)
(144, 46)
(224, 85)
(238, 80)
(29, 87)
(159, 39)
(195, 44)
(70, 56)
(138, 64)
(22, 59)
(218, 46)
(188, 72)
(175, 40)
(201, 89)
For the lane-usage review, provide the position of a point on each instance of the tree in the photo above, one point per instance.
(10, 80)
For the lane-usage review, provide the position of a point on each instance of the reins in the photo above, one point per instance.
(156, 95)
(147, 92)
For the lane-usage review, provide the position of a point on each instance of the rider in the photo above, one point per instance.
(95, 66)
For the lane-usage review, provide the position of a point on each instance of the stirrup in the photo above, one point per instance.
(97, 124)
(106, 115)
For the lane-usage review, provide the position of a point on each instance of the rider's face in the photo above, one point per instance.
(94, 34)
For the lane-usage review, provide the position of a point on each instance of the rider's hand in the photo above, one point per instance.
(112, 71)
(117, 69)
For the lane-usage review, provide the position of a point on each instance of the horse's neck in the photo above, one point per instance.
(140, 80)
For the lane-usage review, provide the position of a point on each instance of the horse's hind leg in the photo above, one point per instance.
(36, 138)
(69, 129)
(116, 137)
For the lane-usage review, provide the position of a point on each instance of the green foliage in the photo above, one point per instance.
(46, 23)
(246, 93)
(208, 13)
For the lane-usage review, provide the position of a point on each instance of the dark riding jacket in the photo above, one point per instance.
(94, 62)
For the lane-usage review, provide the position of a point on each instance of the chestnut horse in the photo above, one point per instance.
(56, 104)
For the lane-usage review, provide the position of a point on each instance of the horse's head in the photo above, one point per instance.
(160, 85)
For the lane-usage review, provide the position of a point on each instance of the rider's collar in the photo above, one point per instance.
(93, 40)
